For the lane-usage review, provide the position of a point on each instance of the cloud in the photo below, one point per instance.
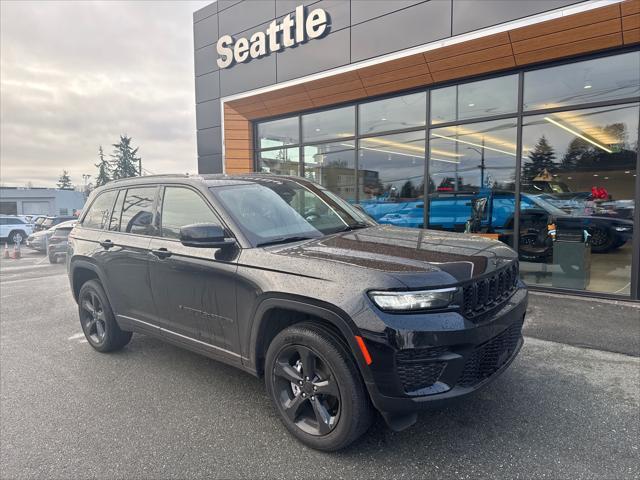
(76, 75)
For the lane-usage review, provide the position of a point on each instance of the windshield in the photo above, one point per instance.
(279, 210)
(550, 208)
(47, 222)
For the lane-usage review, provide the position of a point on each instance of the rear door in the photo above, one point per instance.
(194, 288)
(124, 257)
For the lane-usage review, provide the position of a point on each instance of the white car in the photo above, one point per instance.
(14, 229)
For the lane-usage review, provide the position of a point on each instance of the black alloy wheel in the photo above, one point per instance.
(97, 320)
(307, 390)
(314, 382)
(92, 317)
(601, 240)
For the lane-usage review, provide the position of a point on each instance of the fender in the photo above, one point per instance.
(89, 265)
(329, 313)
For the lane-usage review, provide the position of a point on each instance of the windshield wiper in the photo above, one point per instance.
(284, 240)
(355, 226)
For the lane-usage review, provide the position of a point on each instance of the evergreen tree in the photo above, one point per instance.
(125, 163)
(104, 169)
(64, 183)
(541, 158)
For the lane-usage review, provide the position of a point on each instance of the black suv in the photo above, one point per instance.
(283, 279)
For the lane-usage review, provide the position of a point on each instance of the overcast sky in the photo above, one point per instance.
(75, 75)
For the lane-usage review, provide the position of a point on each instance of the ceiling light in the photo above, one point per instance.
(472, 104)
(606, 178)
(596, 175)
(383, 119)
(569, 178)
(446, 153)
(473, 144)
(627, 171)
(587, 87)
(317, 129)
(551, 120)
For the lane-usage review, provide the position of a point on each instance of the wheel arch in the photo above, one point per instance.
(83, 270)
(274, 314)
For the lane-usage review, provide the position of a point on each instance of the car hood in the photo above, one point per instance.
(407, 254)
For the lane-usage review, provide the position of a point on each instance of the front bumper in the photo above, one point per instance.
(447, 357)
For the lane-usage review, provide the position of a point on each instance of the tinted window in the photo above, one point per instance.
(281, 161)
(336, 123)
(476, 99)
(137, 213)
(182, 206)
(62, 232)
(114, 224)
(98, 214)
(395, 113)
(278, 132)
(583, 82)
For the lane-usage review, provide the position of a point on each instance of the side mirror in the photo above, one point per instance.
(205, 235)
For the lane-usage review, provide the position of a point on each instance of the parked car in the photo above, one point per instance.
(14, 229)
(52, 221)
(57, 245)
(283, 279)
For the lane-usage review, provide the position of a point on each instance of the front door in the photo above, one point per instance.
(194, 288)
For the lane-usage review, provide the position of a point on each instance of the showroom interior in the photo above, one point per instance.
(519, 128)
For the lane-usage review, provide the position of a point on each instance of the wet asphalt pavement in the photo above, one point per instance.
(156, 411)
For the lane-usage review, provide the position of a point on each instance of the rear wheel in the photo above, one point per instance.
(601, 240)
(53, 258)
(97, 319)
(17, 236)
(316, 387)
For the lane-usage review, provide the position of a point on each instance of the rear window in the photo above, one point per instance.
(137, 211)
(100, 210)
(39, 220)
(47, 222)
(62, 232)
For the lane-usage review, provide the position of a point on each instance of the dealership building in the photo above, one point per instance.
(517, 120)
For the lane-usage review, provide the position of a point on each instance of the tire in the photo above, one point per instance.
(13, 236)
(53, 258)
(100, 327)
(345, 405)
(601, 240)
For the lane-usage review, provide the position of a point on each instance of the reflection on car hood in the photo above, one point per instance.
(405, 252)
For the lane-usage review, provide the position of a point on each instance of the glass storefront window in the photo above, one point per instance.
(476, 99)
(391, 178)
(282, 161)
(597, 80)
(578, 190)
(333, 166)
(278, 133)
(398, 113)
(472, 170)
(329, 124)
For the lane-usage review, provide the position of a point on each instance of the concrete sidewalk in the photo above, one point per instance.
(608, 325)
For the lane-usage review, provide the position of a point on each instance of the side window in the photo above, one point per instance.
(114, 223)
(100, 210)
(137, 213)
(182, 206)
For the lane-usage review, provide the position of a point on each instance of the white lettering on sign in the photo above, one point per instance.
(292, 31)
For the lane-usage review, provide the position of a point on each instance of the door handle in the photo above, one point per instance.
(161, 253)
(107, 244)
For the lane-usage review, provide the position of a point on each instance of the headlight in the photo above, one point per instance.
(422, 300)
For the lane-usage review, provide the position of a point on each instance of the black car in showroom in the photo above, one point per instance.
(285, 280)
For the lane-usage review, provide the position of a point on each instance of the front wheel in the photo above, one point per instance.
(97, 319)
(17, 236)
(316, 387)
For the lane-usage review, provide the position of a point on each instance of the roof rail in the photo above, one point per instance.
(160, 175)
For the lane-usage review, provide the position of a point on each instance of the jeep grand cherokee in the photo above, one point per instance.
(281, 278)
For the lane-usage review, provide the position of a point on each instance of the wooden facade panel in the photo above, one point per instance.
(291, 107)
(330, 81)
(467, 47)
(283, 98)
(630, 7)
(382, 68)
(275, 94)
(238, 144)
(567, 36)
(488, 54)
(566, 50)
(611, 12)
(475, 69)
(335, 89)
(631, 36)
(237, 134)
(340, 97)
(631, 22)
(236, 125)
(395, 75)
(402, 84)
